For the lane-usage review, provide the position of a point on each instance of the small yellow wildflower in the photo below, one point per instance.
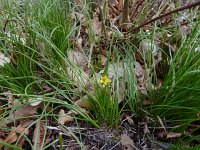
(105, 80)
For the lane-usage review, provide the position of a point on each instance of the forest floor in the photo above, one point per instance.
(99, 75)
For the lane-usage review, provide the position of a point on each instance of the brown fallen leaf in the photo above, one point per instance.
(79, 2)
(25, 111)
(9, 95)
(126, 142)
(148, 50)
(1, 109)
(64, 118)
(120, 5)
(25, 123)
(68, 116)
(129, 119)
(40, 133)
(2, 133)
(140, 76)
(21, 142)
(103, 59)
(83, 110)
(78, 75)
(12, 101)
(83, 102)
(0, 144)
(121, 92)
(116, 70)
(139, 71)
(96, 25)
(77, 58)
(14, 135)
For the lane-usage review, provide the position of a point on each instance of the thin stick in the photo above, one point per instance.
(164, 15)
(136, 9)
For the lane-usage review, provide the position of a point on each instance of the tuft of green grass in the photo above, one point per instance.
(104, 103)
(36, 36)
(177, 100)
(181, 85)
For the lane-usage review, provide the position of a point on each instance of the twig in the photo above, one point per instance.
(163, 8)
(136, 9)
(113, 9)
(164, 15)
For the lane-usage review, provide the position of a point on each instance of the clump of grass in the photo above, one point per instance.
(133, 97)
(37, 40)
(177, 100)
(104, 103)
(178, 96)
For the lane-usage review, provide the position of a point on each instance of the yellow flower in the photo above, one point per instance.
(105, 80)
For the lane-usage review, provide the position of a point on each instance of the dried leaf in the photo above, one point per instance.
(140, 76)
(78, 76)
(126, 142)
(120, 5)
(12, 101)
(103, 60)
(1, 109)
(115, 70)
(21, 142)
(25, 123)
(9, 95)
(40, 133)
(139, 71)
(64, 118)
(96, 26)
(79, 2)
(26, 110)
(148, 49)
(83, 110)
(83, 102)
(77, 58)
(121, 91)
(11, 138)
(14, 135)
(129, 119)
